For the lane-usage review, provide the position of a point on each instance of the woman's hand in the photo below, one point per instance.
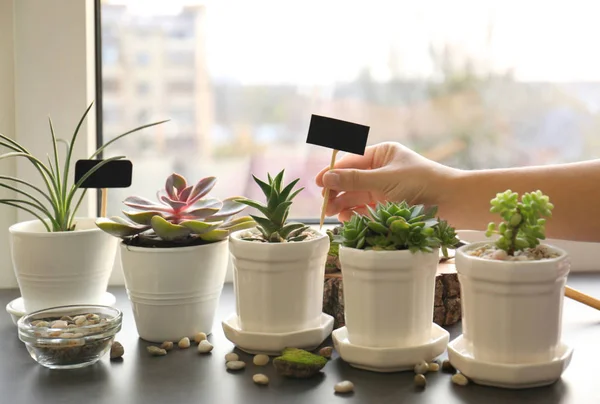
(387, 172)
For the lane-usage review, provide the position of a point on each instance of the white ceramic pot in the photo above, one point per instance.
(388, 296)
(511, 310)
(61, 268)
(278, 286)
(174, 292)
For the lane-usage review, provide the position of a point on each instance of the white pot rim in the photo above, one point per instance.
(167, 250)
(19, 229)
(462, 251)
(235, 237)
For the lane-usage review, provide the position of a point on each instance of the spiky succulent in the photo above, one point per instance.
(273, 227)
(182, 216)
(524, 224)
(398, 226)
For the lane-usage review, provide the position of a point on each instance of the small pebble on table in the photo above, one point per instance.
(184, 343)
(260, 360)
(236, 365)
(259, 378)
(344, 387)
(205, 346)
(232, 356)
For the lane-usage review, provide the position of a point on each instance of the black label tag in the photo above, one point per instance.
(114, 174)
(336, 134)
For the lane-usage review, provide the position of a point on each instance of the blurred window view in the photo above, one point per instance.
(472, 84)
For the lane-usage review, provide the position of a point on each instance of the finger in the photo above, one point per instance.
(350, 161)
(351, 179)
(348, 200)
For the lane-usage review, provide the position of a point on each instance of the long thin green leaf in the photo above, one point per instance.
(72, 215)
(266, 188)
(27, 210)
(56, 160)
(11, 147)
(288, 188)
(277, 180)
(40, 167)
(20, 181)
(41, 208)
(70, 152)
(15, 145)
(101, 149)
(27, 194)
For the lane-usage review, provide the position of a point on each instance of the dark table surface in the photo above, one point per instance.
(184, 376)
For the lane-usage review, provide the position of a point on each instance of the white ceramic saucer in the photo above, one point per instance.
(16, 308)
(389, 359)
(272, 344)
(513, 376)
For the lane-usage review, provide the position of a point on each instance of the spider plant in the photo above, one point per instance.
(53, 206)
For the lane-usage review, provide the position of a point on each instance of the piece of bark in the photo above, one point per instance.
(446, 311)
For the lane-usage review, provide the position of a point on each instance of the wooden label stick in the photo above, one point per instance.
(104, 202)
(326, 195)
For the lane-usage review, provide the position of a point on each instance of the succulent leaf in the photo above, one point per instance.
(215, 235)
(230, 207)
(118, 229)
(185, 193)
(176, 205)
(240, 221)
(203, 187)
(138, 202)
(142, 218)
(174, 185)
(167, 230)
(199, 227)
(201, 213)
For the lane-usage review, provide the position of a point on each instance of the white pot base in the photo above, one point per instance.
(390, 359)
(509, 376)
(272, 344)
(16, 308)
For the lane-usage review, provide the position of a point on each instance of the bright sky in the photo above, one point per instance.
(325, 40)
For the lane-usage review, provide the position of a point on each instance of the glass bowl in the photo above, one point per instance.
(68, 337)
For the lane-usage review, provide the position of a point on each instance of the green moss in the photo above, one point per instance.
(301, 357)
(299, 363)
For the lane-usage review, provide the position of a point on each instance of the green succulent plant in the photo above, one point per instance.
(55, 205)
(274, 227)
(398, 226)
(524, 222)
(181, 217)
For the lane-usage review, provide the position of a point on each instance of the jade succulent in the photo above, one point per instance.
(398, 226)
(181, 217)
(273, 227)
(524, 223)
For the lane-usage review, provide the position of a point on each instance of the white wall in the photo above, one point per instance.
(8, 215)
(46, 68)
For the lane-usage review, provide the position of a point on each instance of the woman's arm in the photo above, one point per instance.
(574, 189)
